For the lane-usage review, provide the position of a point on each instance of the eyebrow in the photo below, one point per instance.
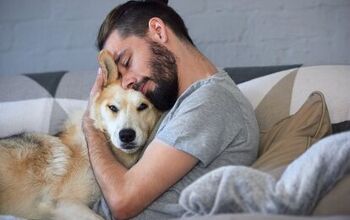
(119, 56)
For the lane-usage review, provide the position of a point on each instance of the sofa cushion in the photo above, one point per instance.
(293, 135)
(278, 95)
(40, 102)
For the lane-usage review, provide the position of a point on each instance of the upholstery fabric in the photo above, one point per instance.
(278, 95)
(41, 102)
(243, 74)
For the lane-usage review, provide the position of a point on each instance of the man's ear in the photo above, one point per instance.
(108, 66)
(157, 30)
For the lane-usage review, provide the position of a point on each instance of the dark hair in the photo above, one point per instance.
(132, 17)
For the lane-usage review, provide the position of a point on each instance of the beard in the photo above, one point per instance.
(163, 69)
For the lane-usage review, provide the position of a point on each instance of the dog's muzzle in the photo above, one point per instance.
(127, 136)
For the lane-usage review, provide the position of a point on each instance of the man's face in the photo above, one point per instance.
(146, 66)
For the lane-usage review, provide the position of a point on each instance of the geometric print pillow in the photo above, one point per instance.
(41, 102)
(279, 95)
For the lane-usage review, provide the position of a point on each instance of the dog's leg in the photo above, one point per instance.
(73, 210)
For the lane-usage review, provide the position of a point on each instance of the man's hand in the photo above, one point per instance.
(101, 78)
(87, 124)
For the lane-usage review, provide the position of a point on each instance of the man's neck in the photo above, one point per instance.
(192, 66)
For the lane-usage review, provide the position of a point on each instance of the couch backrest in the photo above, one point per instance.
(278, 95)
(40, 102)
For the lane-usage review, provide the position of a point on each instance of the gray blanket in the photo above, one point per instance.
(235, 189)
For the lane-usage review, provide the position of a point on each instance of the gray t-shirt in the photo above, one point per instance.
(213, 122)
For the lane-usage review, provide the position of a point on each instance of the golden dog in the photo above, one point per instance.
(49, 177)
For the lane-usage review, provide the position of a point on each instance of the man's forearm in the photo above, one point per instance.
(108, 172)
(101, 156)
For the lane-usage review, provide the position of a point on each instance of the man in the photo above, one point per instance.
(210, 124)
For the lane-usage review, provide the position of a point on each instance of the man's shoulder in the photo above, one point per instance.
(217, 85)
(216, 95)
(207, 99)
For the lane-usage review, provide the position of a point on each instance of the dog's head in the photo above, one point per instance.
(126, 116)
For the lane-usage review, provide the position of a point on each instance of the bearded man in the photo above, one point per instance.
(210, 123)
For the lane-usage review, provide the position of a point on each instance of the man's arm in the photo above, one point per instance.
(128, 192)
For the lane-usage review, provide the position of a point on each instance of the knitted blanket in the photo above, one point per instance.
(237, 189)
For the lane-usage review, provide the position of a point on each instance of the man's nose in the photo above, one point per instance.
(128, 82)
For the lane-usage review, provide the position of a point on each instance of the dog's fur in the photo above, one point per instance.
(49, 177)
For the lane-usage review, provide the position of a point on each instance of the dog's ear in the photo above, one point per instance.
(108, 66)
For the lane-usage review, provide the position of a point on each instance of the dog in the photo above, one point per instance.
(49, 177)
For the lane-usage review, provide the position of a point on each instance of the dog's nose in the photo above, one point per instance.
(127, 135)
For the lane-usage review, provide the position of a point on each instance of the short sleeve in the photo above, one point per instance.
(204, 124)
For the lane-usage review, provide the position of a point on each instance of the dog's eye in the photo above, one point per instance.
(142, 107)
(113, 108)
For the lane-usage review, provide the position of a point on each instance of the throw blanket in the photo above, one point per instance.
(234, 189)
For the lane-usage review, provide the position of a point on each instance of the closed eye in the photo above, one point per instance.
(126, 63)
(142, 107)
(123, 59)
(113, 108)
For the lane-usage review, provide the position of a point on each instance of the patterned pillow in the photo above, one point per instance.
(41, 102)
(278, 95)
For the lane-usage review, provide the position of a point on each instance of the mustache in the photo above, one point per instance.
(137, 86)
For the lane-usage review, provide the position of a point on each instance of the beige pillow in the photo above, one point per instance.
(293, 135)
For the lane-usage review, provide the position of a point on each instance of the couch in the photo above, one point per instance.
(296, 106)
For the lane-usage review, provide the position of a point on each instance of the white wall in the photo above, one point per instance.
(49, 35)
